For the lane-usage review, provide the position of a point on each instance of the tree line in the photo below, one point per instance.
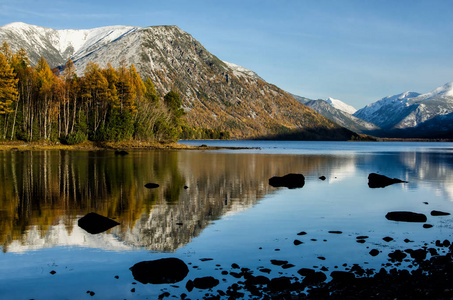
(105, 104)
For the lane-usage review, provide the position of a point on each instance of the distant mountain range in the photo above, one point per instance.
(214, 93)
(406, 115)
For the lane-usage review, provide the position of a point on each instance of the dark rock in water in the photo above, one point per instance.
(291, 181)
(306, 272)
(121, 152)
(427, 226)
(388, 239)
(280, 284)
(277, 262)
(302, 233)
(297, 242)
(405, 216)
(94, 223)
(418, 254)
(151, 185)
(335, 232)
(439, 213)
(205, 282)
(381, 181)
(374, 252)
(165, 270)
(314, 278)
(397, 255)
(288, 266)
(53, 272)
(265, 270)
(257, 280)
(189, 286)
(206, 259)
(322, 178)
(342, 276)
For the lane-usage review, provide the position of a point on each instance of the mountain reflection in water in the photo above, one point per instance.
(44, 193)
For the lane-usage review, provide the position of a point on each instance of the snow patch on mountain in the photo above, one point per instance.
(338, 104)
(241, 71)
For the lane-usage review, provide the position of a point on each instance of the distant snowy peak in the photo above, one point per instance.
(338, 104)
(445, 91)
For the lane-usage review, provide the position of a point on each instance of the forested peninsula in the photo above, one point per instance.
(104, 105)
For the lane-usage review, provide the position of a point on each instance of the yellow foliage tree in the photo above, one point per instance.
(8, 86)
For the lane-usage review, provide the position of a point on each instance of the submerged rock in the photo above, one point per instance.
(381, 181)
(406, 216)
(291, 181)
(95, 223)
(165, 270)
(151, 185)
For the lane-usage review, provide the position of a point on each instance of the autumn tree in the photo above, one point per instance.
(45, 80)
(26, 77)
(8, 90)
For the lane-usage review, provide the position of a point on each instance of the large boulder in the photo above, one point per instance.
(95, 223)
(291, 181)
(165, 270)
(405, 216)
(381, 181)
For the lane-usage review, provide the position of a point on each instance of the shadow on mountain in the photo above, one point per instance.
(439, 127)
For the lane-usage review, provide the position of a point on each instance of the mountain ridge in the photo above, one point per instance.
(214, 94)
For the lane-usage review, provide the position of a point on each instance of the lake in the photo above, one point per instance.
(212, 209)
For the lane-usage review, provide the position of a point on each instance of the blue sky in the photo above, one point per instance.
(357, 51)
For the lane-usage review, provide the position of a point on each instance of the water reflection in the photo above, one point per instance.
(44, 193)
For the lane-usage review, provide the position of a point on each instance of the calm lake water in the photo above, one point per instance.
(228, 213)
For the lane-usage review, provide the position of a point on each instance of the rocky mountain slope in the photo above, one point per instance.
(215, 94)
(340, 113)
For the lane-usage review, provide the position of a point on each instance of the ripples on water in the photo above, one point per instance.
(228, 212)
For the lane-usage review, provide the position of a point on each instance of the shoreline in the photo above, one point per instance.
(103, 146)
(139, 145)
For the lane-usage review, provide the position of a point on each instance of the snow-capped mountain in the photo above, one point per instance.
(384, 112)
(337, 111)
(338, 104)
(57, 46)
(405, 114)
(214, 93)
